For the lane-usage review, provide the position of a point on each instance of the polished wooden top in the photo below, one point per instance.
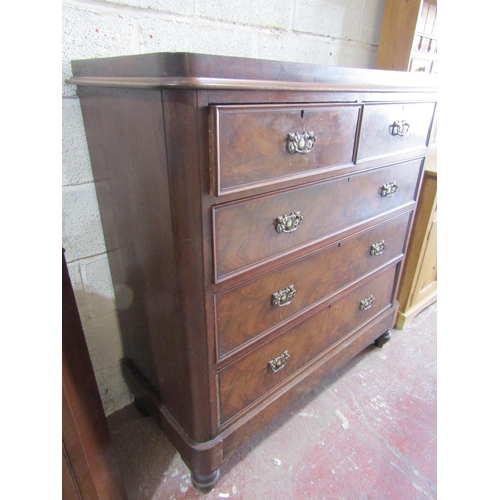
(189, 70)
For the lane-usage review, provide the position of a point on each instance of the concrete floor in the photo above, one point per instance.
(369, 432)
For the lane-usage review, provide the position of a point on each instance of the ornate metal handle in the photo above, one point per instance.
(388, 189)
(300, 143)
(367, 303)
(401, 127)
(288, 223)
(284, 297)
(277, 364)
(378, 248)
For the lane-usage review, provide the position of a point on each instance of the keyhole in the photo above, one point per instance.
(302, 114)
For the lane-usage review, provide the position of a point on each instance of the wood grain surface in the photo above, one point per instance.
(245, 232)
(251, 142)
(246, 311)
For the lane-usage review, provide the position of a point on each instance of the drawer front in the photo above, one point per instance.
(392, 128)
(252, 144)
(418, 65)
(253, 308)
(249, 378)
(254, 230)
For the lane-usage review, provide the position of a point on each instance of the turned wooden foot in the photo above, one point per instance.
(141, 407)
(383, 339)
(205, 482)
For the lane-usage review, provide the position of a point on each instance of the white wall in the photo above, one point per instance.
(333, 32)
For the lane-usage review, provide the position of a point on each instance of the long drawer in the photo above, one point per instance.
(387, 129)
(259, 144)
(250, 377)
(253, 308)
(252, 231)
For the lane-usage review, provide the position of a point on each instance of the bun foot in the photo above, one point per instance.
(383, 339)
(141, 407)
(205, 482)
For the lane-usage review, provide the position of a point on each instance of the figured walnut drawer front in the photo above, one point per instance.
(392, 128)
(252, 145)
(251, 377)
(253, 308)
(251, 231)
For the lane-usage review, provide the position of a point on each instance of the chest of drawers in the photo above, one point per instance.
(256, 217)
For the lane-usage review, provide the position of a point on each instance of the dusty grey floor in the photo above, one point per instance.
(386, 450)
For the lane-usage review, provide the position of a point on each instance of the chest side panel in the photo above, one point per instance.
(125, 135)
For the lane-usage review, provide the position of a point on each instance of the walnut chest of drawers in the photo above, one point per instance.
(256, 216)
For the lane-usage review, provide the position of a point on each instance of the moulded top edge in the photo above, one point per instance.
(199, 70)
(230, 84)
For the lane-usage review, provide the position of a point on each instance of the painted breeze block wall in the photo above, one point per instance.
(332, 32)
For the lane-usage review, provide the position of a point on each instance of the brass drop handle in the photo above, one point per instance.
(388, 190)
(400, 127)
(277, 364)
(288, 223)
(300, 143)
(378, 248)
(284, 297)
(367, 303)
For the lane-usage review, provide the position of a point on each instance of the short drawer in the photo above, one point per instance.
(255, 145)
(255, 307)
(418, 65)
(261, 228)
(388, 129)
(252, 376)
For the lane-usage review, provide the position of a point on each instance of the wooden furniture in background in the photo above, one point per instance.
(419, 280)
(89, 467)
(408, 38)
(256, 215)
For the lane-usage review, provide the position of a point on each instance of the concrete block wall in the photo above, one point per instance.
(333, 32)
